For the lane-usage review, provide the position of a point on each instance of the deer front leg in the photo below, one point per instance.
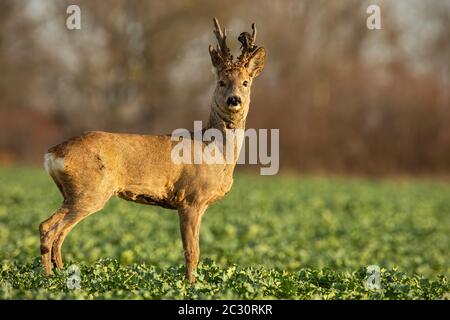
(190, 220)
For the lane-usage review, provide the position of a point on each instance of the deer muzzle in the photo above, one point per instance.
(233, 102)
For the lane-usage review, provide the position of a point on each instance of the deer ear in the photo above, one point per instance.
(256, 62)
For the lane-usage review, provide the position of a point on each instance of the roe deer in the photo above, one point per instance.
(91, 168)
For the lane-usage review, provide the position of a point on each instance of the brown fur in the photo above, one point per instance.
(95, 166)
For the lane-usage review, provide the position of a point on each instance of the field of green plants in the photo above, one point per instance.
(270, 238)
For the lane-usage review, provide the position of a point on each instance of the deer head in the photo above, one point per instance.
(231, 97)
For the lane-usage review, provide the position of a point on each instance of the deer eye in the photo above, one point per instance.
(245, 83)
(221, 83)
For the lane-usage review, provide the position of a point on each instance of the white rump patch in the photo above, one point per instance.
(52, 164)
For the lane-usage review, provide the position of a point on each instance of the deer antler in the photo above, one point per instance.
(248, 45)
(221, 55)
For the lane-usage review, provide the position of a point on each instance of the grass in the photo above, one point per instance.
(271, 237)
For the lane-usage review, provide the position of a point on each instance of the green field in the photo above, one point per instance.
(271, 237)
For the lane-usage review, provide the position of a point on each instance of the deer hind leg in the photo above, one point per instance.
(46, 229)
(61, 236)
(190, 220)
(55, 229)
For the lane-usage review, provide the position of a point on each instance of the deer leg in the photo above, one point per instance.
(46, 229)
(190, 220)
(78, 212)
(71, 216)
(57, 244)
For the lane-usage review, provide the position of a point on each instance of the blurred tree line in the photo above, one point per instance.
(346, 99)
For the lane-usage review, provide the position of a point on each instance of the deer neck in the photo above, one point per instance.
(224, 121)
(229, 125)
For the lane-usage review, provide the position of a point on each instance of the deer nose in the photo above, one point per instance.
(233, 101)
